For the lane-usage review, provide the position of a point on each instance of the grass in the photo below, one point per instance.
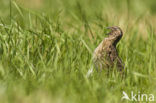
(46, 51)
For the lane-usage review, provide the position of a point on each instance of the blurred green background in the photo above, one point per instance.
(46, 50)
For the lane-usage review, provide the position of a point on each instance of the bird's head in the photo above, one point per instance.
(115, 34)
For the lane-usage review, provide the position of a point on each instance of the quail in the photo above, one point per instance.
(105, 55)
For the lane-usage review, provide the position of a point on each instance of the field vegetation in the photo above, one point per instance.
(46, 49)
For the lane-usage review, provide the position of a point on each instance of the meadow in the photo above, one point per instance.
(46, 49)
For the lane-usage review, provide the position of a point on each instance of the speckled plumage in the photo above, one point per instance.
(105, 55)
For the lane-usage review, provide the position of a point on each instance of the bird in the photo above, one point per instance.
(106, 56)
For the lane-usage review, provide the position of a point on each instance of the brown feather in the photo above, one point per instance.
(105, 55)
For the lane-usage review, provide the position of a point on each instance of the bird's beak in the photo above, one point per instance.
(108, 27)
(109, 30)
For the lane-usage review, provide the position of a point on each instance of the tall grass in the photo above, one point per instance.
(45, 53)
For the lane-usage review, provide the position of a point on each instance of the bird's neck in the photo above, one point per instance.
(114, 40)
